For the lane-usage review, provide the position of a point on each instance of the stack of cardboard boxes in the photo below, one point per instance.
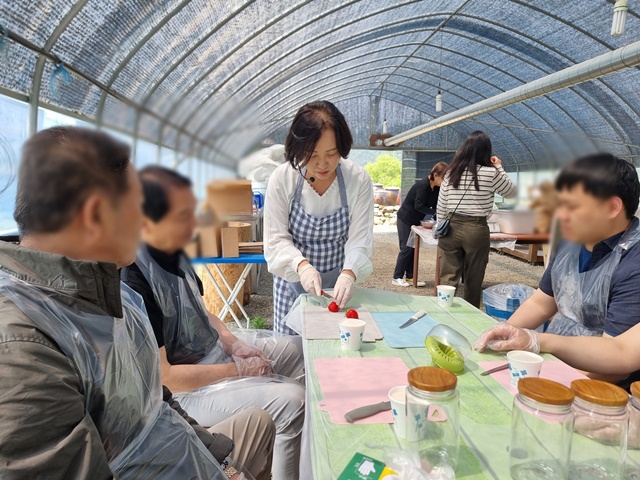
(216, 237)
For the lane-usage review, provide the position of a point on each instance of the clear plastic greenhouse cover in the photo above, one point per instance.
(214, 78)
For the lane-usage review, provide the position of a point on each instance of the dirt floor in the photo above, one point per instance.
(501, 269)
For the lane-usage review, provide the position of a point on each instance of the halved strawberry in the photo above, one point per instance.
(333, 307)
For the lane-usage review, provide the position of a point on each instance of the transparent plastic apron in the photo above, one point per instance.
(321, 241)
(583, 298)
(117, 361)
(189, 336)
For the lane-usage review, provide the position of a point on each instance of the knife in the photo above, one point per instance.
(413, 319)
(494, 370)
(366, 411)
(326, 295)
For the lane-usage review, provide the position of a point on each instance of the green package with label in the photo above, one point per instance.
(363, 467)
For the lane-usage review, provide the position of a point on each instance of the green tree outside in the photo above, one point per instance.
(386, 170)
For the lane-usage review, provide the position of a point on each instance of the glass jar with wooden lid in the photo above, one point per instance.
(541, 430)
(632, 461)
(600, 430)
(433, 415)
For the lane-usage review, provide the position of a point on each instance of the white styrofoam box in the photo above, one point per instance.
(517, 221)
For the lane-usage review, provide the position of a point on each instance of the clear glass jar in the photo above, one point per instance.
(601, 422)
(632, 460)
(541, 430)
(433, 416)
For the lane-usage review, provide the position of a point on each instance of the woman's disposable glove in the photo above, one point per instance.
(343, 289)
(310, 279)
(505, 336)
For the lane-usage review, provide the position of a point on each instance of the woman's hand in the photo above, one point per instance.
(310, 279)
(496, 162)
(343, 289)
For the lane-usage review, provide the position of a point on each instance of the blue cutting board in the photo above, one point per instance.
(410, 337)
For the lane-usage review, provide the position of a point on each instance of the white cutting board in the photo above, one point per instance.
(318, 323)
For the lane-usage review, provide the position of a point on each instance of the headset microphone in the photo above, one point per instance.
(310, 179)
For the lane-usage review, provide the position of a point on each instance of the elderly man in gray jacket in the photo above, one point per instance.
(81, 395)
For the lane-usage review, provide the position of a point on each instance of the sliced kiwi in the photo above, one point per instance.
(444, 356)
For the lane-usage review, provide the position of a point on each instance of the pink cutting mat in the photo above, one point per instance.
(319, 323)
(349, 383)
(552, 370)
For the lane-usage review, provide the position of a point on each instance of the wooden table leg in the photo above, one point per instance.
(437, 278)
(416, 260)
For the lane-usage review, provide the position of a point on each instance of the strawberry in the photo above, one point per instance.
(352, 314)
(333, 307)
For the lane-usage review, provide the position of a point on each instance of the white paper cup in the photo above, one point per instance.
(445, 295)
(405, 428)
(351, 333)
(397, 397)
(522, 365)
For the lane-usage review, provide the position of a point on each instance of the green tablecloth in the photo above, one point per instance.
(485, 404)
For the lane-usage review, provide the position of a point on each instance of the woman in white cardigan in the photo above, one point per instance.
(318, 230)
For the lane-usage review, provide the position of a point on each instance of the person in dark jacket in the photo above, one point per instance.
(421, 201)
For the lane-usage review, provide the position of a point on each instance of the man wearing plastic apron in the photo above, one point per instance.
(321, 241)
(582, 296)
(592, 285)
(110, 344)
(81, 394)
(199, 356)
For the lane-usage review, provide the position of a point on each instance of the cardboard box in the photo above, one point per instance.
(230, 247)
(210, 240)
(230, 197)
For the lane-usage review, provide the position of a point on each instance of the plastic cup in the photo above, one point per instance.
(397, 397)
(522, 365)
(445, 295)
(351, 333)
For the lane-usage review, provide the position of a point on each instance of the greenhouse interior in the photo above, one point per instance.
(319, 239)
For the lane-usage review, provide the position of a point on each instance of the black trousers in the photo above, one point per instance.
(404, 263)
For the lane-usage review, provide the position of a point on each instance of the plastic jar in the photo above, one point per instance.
(632, 462)
(541, 430)
(600, 430)
(433, 415)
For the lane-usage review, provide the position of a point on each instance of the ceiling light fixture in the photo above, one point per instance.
(619, 17)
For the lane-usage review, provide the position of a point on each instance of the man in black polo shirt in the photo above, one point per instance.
(196, 348)
(592, 286)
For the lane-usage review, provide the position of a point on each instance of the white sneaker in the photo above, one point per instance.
(400, 282)
(419, 284)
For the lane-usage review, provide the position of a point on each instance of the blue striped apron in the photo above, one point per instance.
(321, 241)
